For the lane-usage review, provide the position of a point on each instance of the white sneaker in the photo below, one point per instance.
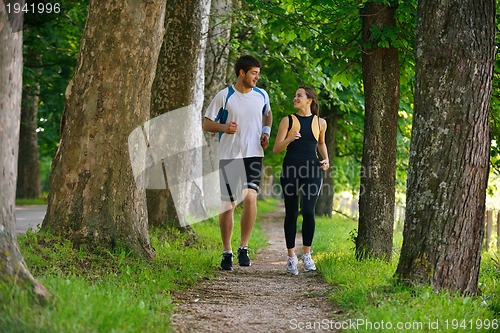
(291, 266)
(308, 262)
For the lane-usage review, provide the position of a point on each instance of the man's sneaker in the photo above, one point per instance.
(291, 266)
(227, 261)
(308, 262)
(243, 258)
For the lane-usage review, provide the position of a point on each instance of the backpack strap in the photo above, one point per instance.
(293, 124)
(315, 127)
(264, 96)
(230, 92)
(223, 113)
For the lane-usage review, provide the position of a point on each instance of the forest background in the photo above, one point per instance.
(322, 52)
(298, 45)
(319, 44)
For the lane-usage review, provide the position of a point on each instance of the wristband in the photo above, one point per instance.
(266, 130)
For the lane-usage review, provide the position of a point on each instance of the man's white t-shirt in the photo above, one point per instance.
(246, 110)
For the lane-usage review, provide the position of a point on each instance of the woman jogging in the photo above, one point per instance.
(301, 134)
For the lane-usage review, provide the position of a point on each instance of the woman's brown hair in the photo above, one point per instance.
(311, 93)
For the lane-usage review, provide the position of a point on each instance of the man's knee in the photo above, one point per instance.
(249, 196)
(226, 207)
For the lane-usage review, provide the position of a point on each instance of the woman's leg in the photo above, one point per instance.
(291, 199)
(311, 187)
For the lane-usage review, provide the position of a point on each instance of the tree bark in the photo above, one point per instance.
(217, 49)
(177, 97)
(28, 169)
(216, 79)
(94, 199)
(449, 153)
(13, 269)
(324, 205)
(378, 165)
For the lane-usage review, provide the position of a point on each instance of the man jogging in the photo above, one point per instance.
(242, 115)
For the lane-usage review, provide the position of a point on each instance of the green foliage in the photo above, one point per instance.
(495, 110)
(318, 43)
(51, 43)
(367, 291)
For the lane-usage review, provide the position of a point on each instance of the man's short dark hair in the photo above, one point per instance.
(245, 63)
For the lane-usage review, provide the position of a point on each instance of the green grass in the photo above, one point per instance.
(114, 292)
(369, 296)
(42, 200)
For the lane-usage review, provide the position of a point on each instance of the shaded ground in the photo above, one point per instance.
(259, 298)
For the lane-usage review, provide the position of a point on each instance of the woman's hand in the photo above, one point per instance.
(325, 164)
(294, 136)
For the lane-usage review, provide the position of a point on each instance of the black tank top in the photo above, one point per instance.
(305, 146)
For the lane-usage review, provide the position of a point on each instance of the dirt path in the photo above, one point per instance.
(259, 298)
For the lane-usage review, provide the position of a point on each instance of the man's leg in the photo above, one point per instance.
(253, 170)
(226, 223)
(248, 215)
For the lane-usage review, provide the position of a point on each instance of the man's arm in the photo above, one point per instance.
(267, 121)
(212, 126)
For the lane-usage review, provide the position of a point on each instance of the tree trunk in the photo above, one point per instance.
(94, 199)
(13, 269)
(28, 169)
(324, 205)
(449, 153)
(216, 79)
(217, 50)
(378, 165)
(175, 135)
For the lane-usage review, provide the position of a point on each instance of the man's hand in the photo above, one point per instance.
(231, 128)
(264, 140)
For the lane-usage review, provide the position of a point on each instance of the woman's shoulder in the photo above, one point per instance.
(286, 119)
(322, 123)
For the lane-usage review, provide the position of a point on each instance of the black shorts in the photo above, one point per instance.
(238, 174)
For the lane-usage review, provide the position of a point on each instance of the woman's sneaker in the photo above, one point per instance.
(308, 262)
(291, 266)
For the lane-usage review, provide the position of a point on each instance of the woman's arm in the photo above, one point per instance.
(322, 149)
(281, 141)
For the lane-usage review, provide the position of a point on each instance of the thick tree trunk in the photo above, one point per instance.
(449, 154)
(217, 49)
(378, 165)
(28, 169)
(216, 79)
(12, 266)
(94, 199)
(177, 99)
(324, 205)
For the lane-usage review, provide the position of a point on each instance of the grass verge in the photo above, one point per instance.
(107, 291)
(374, 302)
(114, 292)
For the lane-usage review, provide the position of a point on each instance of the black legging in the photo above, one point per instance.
(300, 178)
